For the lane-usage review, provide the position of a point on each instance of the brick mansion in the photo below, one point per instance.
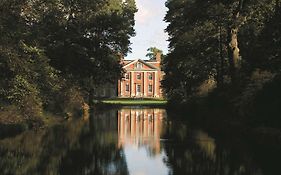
(141, 79)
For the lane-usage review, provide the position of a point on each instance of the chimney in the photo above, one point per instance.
(158, 56)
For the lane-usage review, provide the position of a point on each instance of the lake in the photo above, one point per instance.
(133, 141)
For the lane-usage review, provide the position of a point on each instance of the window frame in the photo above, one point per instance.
(150, 88)
(138, 76)
(150, 76)
(138, 88)
(127, 87)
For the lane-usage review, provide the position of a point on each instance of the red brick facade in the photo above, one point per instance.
(142, 78)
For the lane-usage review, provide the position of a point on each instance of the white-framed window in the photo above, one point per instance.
(138, 76)
(150, 76)
(138, 88)
(127, 87)
(150, 88)
(127, 76)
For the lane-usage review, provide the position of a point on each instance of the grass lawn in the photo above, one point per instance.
(130, 101)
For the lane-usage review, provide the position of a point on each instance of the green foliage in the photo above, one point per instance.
(203, 43)
(69, 101)
(25, 95)
(51, 48)
(145, 102)
(152, 51)
(266, 52)
(267, 104)
(86, 37)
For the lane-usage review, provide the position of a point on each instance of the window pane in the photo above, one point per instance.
(150, 76)
(138, 88)
(127, 87)
(150, 88)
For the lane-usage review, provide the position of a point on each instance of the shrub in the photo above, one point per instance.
(70, 101)
(25, 96)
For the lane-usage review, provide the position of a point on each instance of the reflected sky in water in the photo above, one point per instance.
(132, 141)
(140, 163)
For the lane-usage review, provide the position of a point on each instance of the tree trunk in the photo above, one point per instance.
(220, 67)
(234, 55)
(91, 93)
(234, 52)
(91, 98)
(234, 49)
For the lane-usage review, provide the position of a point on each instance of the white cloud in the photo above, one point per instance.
(143, 14)
(147, 11)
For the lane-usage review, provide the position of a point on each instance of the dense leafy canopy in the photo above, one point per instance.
(47, 47)
(152, 52)
(224, 40)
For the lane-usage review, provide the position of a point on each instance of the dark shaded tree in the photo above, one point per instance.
(216, 42)
(48, 48)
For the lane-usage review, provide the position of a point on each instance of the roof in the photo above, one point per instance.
(127, 61)
(130, 62)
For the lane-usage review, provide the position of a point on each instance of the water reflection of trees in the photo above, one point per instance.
(195, 153)
(94, 146)
(77, 147)
(97, 152)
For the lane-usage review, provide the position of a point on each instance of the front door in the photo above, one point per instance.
(138, 90)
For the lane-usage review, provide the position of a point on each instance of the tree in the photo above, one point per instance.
(46, 46)
(152, 52)
(212, 41)
(86, 38)
(19, 62)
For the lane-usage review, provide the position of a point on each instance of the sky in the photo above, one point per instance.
(140, 163)
(149, 28)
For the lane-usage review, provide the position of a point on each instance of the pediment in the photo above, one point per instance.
(145, 65)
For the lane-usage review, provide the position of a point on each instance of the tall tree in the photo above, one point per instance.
(152, 52)
(212, 41)
(44, 44)
(82, 38)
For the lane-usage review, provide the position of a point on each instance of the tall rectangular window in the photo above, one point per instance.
(138, 88)
(150, 88)
(127, 87)
(150, 76)
(138, 76)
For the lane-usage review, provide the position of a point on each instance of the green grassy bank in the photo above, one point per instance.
(137, 101)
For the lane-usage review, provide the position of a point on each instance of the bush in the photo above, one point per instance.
(267, 103)
(70, 101)
(25, 96)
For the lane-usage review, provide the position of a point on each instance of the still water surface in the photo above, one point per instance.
(132, 141)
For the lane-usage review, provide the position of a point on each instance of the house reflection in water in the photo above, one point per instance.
(141, 127)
